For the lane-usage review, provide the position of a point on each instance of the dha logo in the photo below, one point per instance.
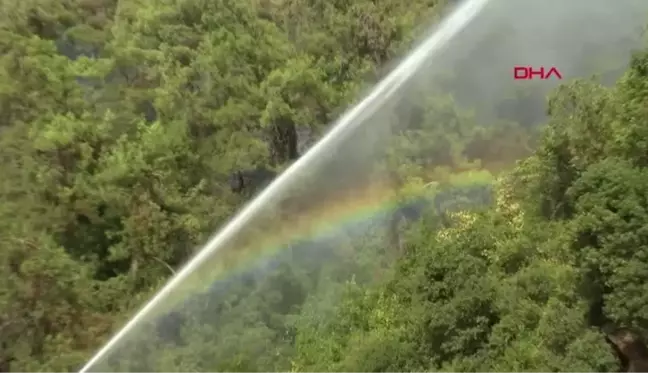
(530, 73)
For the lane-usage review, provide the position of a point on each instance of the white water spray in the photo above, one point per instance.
(382, 93)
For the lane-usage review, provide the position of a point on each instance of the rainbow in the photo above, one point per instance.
(262, 242)
(269, 239)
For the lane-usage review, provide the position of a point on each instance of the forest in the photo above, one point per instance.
(131, 130)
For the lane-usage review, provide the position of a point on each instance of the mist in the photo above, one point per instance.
(580, 38)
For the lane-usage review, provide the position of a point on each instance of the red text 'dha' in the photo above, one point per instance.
(530, 73)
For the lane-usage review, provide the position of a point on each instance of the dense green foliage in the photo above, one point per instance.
(122, 120)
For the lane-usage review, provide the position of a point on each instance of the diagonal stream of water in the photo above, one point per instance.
(380, 95)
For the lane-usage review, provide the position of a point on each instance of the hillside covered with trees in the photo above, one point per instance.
(132, 129)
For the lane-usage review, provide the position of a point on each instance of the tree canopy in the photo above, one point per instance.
(131, 129)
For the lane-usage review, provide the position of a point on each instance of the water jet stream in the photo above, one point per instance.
(381, 94)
